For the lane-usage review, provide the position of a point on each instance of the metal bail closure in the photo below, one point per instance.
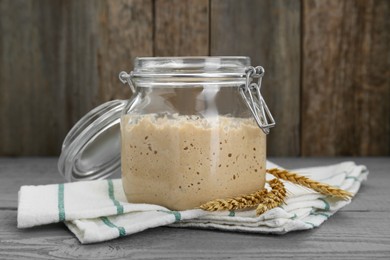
(253, 98)
(125, 77)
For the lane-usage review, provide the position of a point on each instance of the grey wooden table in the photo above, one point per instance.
(359, 231)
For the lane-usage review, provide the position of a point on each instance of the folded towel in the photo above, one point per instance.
(97, 210)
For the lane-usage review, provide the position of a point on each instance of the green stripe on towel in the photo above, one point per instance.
(327, 206)
(61, 208)
(319, 214)
(309, 223)
(119, 207)
(175, 213)
(121, 230)
(353, 178)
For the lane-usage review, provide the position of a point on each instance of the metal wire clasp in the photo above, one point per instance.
(125, 77)
(253, 98)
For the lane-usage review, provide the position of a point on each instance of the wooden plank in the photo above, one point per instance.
(58, 60)
(269, 32)
(346, 78)
(181, 28)
(348, 235)
(125, 32)
(359, 231)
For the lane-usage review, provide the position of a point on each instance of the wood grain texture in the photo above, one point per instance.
(181, 28)
(346, 78)
(342, 237)
(358, 231)
(327, 64)
(269, 32)
(58, 60)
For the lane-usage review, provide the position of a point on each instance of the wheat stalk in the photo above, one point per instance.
(274, 198)
(309, 183)
(241, 202)
(262, 199)
(265, 200)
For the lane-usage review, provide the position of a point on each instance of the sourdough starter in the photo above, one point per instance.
(182, 162)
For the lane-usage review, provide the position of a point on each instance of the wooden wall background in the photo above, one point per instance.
(327, 64)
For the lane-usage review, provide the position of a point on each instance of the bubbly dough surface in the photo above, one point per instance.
(181, 162)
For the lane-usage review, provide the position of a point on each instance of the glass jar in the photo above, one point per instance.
(193, 130)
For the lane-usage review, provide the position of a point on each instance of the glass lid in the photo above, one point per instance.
(91, 149)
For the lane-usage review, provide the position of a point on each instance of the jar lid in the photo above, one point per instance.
(91, 149)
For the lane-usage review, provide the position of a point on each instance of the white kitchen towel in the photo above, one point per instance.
(97, 211)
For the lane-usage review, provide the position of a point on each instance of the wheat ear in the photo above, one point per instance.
(262, 199)
(309, 183)
(274, 198)
(241, 202)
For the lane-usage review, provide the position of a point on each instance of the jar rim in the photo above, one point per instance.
(202, 66)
